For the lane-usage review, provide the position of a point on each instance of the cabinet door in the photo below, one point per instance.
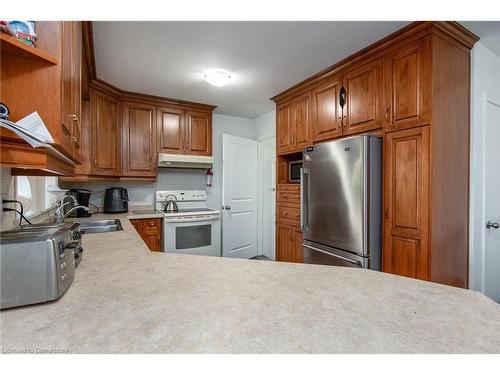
(406, 221)
(301, 119)
(407, 85)
(284, 128)
(298, 256)
(171, 139)
(284, 248)
(105, 121)
(364, 107)
(327, 112)
(77, 90)
(138, 140)
(67, 87)
(198, 133)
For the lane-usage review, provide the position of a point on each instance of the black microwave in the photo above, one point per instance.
(294, 170)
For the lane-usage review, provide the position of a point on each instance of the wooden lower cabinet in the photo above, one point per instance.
(289, 243)
(150, 232)
(406, 200)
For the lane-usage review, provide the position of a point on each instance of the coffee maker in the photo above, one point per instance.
(82, 196)
(115, 200)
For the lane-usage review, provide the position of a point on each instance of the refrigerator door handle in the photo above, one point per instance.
(304, 198)
(358, 263)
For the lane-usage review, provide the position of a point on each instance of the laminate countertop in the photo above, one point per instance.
(126, 299)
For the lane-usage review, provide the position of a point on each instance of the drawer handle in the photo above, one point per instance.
(298, 196)
(284, 213)
(297, 215)
(285, 196)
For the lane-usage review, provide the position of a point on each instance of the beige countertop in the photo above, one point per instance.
(127, 299)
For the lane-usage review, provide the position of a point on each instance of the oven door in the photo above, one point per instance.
(193, 236)
(319, 254)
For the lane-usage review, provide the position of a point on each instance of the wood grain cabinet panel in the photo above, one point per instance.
(170, 130)
(198, 132)
(406, 200)
(71, 54)
(327, 112)
(289, 243)
(301, 121)
(407, 85)
(284, 128)
(138, 139)
(364, 107)
(105, 129)
(150, 232)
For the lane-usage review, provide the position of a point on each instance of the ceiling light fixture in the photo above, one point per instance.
(217, 77)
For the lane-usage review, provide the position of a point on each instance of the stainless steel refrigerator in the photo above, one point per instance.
(341, 200)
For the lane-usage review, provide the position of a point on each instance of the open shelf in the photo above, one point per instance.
(11, 46)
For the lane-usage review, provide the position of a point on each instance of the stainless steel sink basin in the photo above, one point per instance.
(100, 226)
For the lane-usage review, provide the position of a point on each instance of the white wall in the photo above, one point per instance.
(265, 126)
(485, 81)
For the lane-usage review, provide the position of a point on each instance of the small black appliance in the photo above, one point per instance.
(115, 200)
(82, 196)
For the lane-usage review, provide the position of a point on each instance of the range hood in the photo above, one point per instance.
(184, 161)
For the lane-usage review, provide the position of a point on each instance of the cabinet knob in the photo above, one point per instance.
(285, 196)
(387, 114)
(284, 213)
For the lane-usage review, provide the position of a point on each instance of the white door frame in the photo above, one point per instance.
(477, 199)
(260, 204)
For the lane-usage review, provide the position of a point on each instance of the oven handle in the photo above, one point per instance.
(334, 255)
(192, 220)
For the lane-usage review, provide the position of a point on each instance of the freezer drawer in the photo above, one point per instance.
(319, 254)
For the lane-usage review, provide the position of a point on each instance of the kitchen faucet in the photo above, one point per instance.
(59, 216)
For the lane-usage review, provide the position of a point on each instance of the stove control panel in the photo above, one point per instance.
(181, 195)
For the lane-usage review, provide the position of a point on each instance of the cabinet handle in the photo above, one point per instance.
(290, 139)
(387, 114)
(297, 215)
(284, 213)
(344, 121)
(151, 224)
(298, 196)
(76, 139)
(342, 96)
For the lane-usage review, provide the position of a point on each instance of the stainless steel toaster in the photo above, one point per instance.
(37, 262)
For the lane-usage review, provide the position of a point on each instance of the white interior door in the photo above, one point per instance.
(492, 200)
(239, 197)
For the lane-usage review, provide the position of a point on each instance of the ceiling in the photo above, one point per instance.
(167, 58)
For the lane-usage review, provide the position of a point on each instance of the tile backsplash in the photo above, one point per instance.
(142, 193)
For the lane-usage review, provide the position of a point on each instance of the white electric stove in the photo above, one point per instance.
(194, 229)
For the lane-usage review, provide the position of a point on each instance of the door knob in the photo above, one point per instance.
(227, 207)
(489, 225)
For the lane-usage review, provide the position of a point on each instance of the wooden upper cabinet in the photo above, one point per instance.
(170, 124)
(138, 140)
(105, 130)
(293, 124)
(70, 135)
(406, 186)
(301, 120)
(407, 85)
(327, 112)
(198, 133)
(284, 127)
(364, 107)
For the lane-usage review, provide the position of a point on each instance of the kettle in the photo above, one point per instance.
(171, 205)
(115, 200)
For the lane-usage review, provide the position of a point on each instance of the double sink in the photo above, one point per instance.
(90, 226)
(100, 226)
